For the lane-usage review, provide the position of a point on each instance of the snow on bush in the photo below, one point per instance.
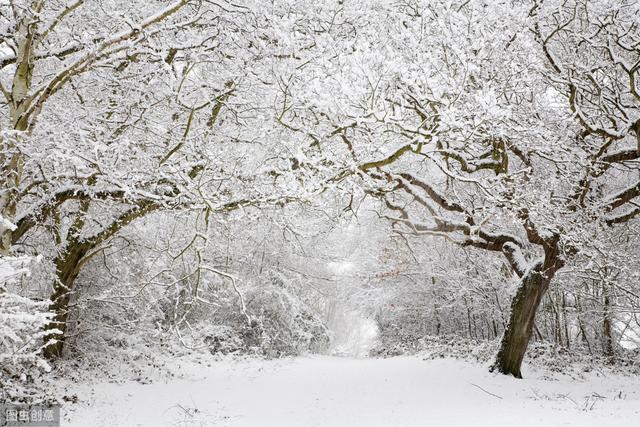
(280, 322)
(22, 322)
(207, 316)
(287, 325)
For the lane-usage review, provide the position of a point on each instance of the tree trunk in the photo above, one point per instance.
(68, 265)
(518, 332)
(11, 158)
(67, 269)
(606, 325)
(524, 305)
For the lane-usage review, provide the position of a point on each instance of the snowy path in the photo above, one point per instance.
(326, 391)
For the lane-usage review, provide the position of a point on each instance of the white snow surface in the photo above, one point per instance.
(334, 391)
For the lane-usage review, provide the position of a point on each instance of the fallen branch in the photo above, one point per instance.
(488, 392)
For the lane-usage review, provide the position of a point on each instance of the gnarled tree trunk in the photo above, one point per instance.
(520, 327)
(525, 303)
(67, 269)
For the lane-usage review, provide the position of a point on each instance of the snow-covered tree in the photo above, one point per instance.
(115, 111)
(507, 127)
(22, 330)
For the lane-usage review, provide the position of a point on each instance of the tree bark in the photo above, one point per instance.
(520, 327)
(67, 269)
(525, 303)
(606, 325)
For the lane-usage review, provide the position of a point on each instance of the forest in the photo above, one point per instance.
(443, 195)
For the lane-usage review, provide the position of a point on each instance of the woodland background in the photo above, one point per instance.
(290, 177)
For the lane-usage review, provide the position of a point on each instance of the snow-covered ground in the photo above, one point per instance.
(332, 391)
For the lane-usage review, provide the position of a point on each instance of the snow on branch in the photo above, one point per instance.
(624, 196)
(85, 61)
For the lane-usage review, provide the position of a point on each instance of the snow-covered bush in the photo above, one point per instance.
(287, 325)
(268, 315)
(22, 322)
(277, 323)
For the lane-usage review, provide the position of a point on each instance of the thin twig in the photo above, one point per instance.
(488, 392)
